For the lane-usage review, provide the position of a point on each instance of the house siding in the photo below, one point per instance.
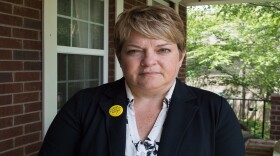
(20, 77)
(21, 73)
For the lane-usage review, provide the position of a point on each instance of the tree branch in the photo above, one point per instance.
(269, 6)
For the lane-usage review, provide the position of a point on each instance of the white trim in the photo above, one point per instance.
(149, 2)
(106, 41)
(162, 2)
(50, 51)
(49, 109)
(213, 2)
(119, 9)
(176, 2)
(118, 69)
(80, 51)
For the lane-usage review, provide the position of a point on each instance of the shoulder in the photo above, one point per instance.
(196, 93)
(204, 99)
(97, 92)
(89, 98)
(203, 93)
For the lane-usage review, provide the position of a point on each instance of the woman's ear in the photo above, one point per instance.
(182, 55)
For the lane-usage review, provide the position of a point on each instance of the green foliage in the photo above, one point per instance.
(240, 41)
(255, 127)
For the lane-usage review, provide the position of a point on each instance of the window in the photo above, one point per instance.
(76, 72)
(80, 31)
(75, 50)
(80, 23)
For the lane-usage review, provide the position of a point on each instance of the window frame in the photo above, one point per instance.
(50, 52)
(162, 2)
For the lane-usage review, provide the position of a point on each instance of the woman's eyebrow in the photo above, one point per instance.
(137, 46)
(164, 44)
(133, 45)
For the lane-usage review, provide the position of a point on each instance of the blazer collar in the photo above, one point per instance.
(181, 112)
(116, 126)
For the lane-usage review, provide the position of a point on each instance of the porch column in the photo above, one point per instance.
(275, 117)
(119, 8)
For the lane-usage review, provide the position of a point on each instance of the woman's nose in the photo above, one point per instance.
(149, 58)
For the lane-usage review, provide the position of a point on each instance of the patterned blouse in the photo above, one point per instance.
(134, 145)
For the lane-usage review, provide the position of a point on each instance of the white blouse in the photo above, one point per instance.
(134, 145)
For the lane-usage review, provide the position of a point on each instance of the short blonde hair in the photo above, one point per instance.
(157, 22)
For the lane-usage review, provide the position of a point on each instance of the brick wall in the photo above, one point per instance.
(111, 55)
(275, 117)
(182, 72)
(20, 77)
(259, 147)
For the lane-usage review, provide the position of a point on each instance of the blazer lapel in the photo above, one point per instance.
(116, 126)
(181, 112)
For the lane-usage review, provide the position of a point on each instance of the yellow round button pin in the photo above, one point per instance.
(116, 110)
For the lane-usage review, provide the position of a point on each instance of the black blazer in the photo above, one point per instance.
(198, 123)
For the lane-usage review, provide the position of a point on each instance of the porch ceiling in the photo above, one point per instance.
(210, 2)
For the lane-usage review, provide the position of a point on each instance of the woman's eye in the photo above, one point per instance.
(163, 50)
(131, 52)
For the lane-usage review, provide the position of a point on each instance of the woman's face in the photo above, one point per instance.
(149, 64)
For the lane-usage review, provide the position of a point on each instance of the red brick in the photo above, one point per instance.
(26, 97)
(26, 55)
(27, 76)
(35, 45)
(33, 66)
(10, 43)
(5, 99)
(275, 112)
(11, 110)
(27, 118)
(34, 154)
(5, 54)
(33, 24)
(11, 132)
(275, 132)
(34, 127)
(7, 144)
(272, 117)
(33, 148)
(5, 31)
(14, 152)
(5, 7)
(26, 139)
(275, 97)
(11, 88)
(6, 77)
(14, 1)
(24, 33)
(32, 86)
(273, 127)
(33, 4)
(11, 65)
(6, 122)
(40, 96)
(10, 20)
(32, 107)
(26, 12)
(275, 102)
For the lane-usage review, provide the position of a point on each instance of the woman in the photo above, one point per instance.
(148, 112)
